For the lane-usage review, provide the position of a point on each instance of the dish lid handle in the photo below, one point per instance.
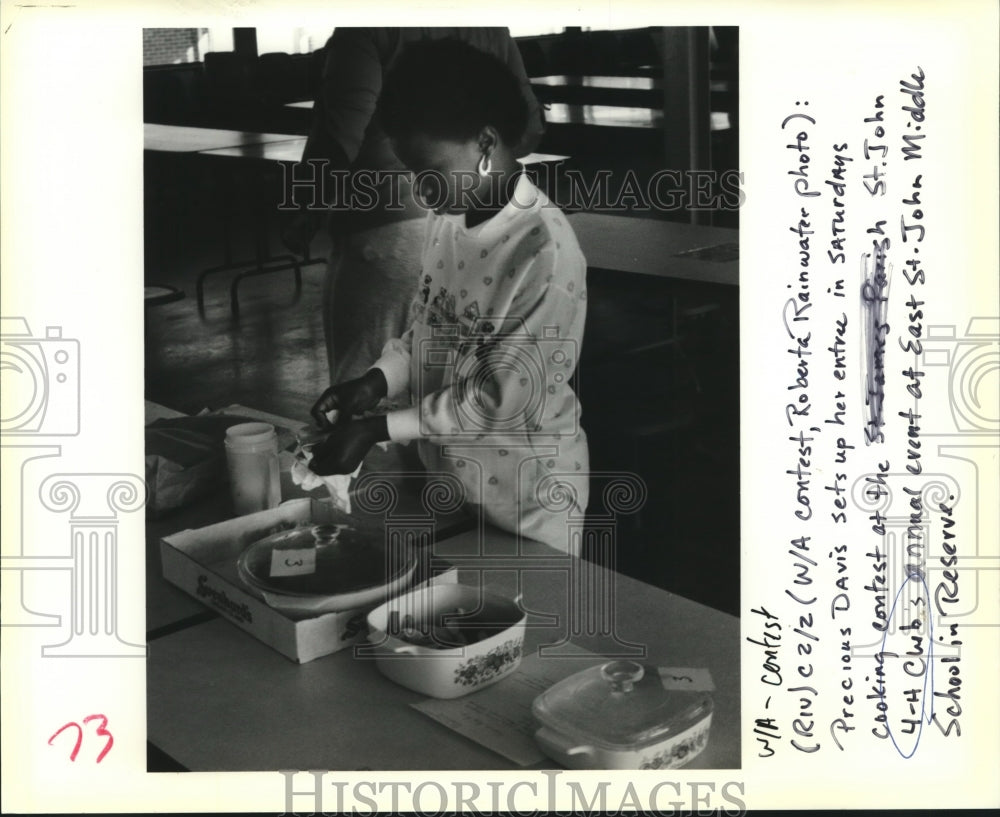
(622, 675)
(326, 534)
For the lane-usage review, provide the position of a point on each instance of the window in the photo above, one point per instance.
(292, 40)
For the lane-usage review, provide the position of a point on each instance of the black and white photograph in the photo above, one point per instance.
(548, 408)
(451, 316)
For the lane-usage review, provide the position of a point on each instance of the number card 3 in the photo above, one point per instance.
(293, 562)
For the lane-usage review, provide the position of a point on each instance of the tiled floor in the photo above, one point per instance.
(669, 415)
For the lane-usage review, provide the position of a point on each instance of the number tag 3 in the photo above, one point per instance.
(687, 679)
(293, 562)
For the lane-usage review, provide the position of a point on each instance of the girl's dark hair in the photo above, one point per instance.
(448, 89)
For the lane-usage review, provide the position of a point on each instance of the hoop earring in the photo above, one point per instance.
(485, 166)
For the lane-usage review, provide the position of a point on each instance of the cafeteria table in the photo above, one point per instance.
(662, 249)
(611, 82)
(159, 138)
(255, 157)
(622, 91)
(220, 700)
(618, 116)
(638, 92)
(196, 141)
(655, 288)
(167, 607)
(287, 150)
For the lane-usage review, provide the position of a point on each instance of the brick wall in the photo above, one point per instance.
(167, 46)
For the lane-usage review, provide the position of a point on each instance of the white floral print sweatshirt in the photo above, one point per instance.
(496, 334)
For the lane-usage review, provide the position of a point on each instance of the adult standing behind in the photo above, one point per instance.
(374, 265)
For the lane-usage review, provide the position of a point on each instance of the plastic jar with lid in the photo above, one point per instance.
(252, 459)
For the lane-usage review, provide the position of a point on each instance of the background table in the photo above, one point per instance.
(622, 91)
(664, 249)
(186, 142)
(266, 148)
(183, 139)
(286, 150)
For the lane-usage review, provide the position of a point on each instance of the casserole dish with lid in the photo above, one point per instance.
(619, 715)
(323, 568)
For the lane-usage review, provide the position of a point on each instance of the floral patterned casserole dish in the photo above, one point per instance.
(447, 640)
(620, 715)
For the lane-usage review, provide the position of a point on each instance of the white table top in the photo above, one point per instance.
(617, 116)
(288, 150)
(541, 158)
(664, 249)
(220, 700)
(599, 81)
(617, 83)
(184, 139)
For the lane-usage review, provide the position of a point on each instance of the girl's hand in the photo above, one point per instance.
(350, 398)
(346, 446)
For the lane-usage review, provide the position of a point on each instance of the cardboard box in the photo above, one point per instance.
(202, 563)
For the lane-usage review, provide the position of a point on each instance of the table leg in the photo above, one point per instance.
(263, 262)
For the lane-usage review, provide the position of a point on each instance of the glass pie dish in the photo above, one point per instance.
(323, 568)
(620, 715)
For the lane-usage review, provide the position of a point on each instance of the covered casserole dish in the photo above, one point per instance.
(317, 569)
(620, 715)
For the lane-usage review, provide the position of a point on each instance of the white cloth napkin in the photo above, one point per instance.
(339, 485)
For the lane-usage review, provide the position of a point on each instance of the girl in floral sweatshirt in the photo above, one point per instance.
(497, 321)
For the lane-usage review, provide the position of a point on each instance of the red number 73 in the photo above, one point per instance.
(101, 732)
